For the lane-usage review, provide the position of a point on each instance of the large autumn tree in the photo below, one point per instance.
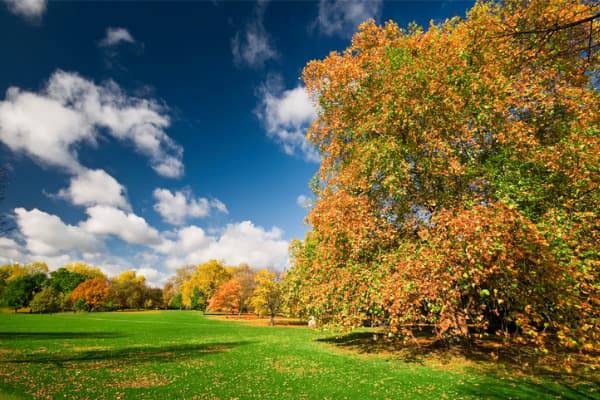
(459, 183)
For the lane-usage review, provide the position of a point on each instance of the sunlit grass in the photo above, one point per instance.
(179, 354)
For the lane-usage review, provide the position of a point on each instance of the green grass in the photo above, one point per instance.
(179, 354)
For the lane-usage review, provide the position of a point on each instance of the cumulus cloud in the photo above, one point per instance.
(252, 46)
(10, 250)
(32, 10)
(304, 201)
(153, 276)
(43, 128)
(342, 17)
(175, 208)
(48, 235)
(116, 36)
(95, 187)
(105, 220)
(286, 115)
(238, 243)
(49, 125)
(43, 236)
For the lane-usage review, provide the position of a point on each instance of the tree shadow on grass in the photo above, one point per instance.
(59, 335)
(128, 355)
(496, 389)
(506, 371)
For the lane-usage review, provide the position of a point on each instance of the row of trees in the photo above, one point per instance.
(459, 187)
(76, 286)
(213, 286)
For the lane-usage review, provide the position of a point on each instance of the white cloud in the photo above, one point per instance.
(116, 36)
(29, 9)
(342, 17)
(253, 46)
(153, 276)
(10, 250)
(95, 187)
(47, 238)
(176, 208)
(286, 115)
(105, 220)
(304, 201)
(219, 206)
(43, 128)
(71, 110)
(48, 235)
(113, 42)
(238, 243)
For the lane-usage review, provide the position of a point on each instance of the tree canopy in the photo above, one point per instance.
(459, 183)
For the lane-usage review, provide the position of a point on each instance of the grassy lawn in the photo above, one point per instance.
(179, 354)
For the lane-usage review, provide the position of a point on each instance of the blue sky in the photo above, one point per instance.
(152, 135)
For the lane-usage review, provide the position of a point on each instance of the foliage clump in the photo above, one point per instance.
(459, 184)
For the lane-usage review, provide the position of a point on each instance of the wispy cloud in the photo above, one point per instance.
(253, 45)
(286, 114)
(113, 41)
(31, 10)
(304, 201)
(115, 36)
(342, 17)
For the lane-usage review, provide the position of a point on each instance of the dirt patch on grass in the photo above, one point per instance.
(258, 321)
(294, 366)
(88, 348)
(147, 380)
(137, 311)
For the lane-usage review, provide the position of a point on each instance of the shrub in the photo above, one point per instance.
(48, 300)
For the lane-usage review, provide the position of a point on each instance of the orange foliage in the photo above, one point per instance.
(226, 297)
(93, 291)
(459, 183)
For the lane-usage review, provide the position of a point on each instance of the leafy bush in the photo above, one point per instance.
(48, 300)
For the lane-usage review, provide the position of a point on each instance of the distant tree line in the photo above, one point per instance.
(211, 286)
(76, 286)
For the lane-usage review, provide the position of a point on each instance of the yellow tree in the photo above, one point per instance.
(86, 270)
(128, 290)
(172, 289)
(202, 283)
(267, 298)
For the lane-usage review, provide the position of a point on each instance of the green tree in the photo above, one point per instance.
(65, 281)
(19, 291)
(48, 300)
(199, 300)
(176, 302)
